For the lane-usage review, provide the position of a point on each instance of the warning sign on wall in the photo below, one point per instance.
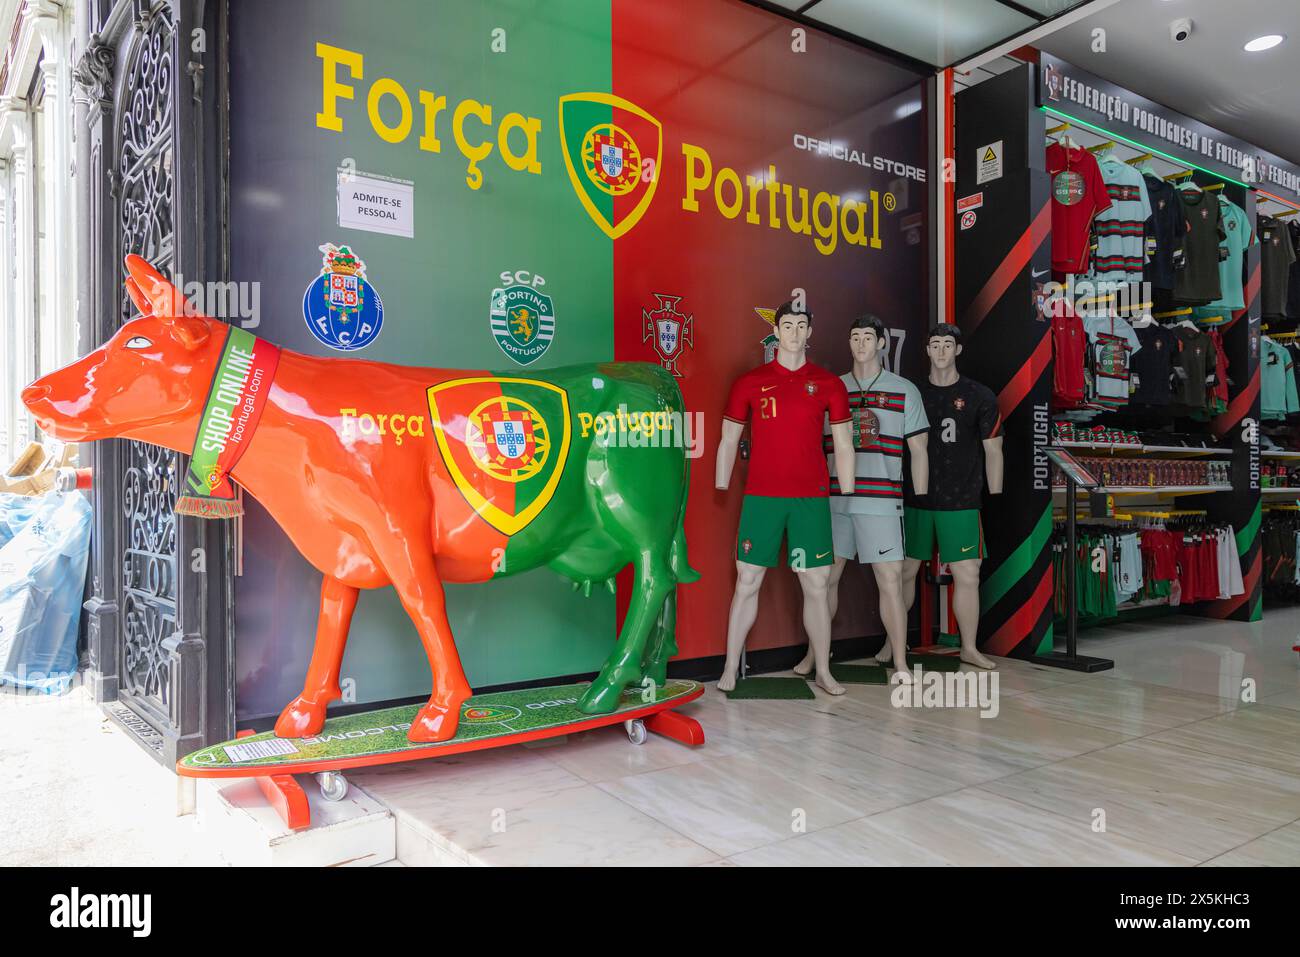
(990, 163)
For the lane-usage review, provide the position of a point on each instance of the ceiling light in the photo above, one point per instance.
(1264, 42)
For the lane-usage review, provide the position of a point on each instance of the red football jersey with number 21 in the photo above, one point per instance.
(786, 412)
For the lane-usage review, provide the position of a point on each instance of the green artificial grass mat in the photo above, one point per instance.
(771, 688)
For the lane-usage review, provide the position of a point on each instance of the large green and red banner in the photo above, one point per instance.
(534, 184)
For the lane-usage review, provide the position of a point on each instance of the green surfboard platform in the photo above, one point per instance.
(354, 738)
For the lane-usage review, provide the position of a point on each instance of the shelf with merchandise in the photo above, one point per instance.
(1158, 489)
(1278, 454)
(1281, 491)
(1120, 448)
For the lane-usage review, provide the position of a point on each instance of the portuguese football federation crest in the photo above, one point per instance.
(504, 442)
(769, 341)
(669, 330)
(612, 150)
(341, 308)
(523, 322)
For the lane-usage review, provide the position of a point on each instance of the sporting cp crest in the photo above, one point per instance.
(341, 308)
(523, 322)
(504, 442)
(670, 330)
(612, 149)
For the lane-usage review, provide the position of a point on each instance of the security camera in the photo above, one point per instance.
(1180, 29)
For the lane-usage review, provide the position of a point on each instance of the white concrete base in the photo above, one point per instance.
(355, 832)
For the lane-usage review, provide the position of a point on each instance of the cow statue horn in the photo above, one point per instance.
(164, 299)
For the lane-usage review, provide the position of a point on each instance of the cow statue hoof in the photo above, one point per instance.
(602, 697)
(300, 718)
(434, 723)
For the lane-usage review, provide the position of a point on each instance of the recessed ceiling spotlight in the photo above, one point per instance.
(1264, 42)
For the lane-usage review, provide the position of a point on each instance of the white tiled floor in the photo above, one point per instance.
(1187, 752)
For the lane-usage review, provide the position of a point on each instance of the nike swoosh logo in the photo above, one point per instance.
(823, 554)
(968, 548)
(1039, 272)
(883, 550)
(768, 388)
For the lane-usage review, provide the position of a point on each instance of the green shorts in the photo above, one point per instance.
(805, 522)
(959, 534)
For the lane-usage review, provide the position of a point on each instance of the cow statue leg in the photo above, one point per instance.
(305, 714)
(420, 588)
(662, 644)
(653, 581)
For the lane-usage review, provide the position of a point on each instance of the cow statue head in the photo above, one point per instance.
(148, 382)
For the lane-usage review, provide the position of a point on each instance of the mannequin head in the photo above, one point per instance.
(943, 347)
(793, 329)
(866, 339)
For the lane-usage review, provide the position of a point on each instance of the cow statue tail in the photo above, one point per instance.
(677, 560)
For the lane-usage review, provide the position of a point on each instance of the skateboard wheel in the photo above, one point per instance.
(333, 785)
(636, 732)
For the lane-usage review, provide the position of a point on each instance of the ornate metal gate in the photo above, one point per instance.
(160, 610)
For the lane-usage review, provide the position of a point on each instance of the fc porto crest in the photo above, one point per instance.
(670, 330)
(504, 441)
(522, 317)
(341, 308)
(612, 150)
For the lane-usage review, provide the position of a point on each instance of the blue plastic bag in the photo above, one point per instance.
(44, 549)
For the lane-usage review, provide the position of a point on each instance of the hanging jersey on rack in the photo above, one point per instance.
(1069, 346)
(1276, 257)
(1078, 195)
(1197, 279)
(1120, 228)
(1165, 228)
(1152, 366)
(1277, 383)
(1293, 283)
(1111, 344)
(1193, 367)
(1238, 236)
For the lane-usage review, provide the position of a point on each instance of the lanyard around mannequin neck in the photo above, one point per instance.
(862, 393)
(236, 400)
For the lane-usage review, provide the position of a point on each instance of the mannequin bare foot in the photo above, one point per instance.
(727, 682)
(885, 655)
(804, 668)
(973, 657)
(828, 684)
(902, 674)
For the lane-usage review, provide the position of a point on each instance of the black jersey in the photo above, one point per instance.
(962, 416)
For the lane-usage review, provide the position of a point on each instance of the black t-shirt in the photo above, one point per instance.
(962, 416)
(1275, 265)
(1195, 359)
(1293, 284)
(1197, 282)
(1166, 226)
(1152, 365)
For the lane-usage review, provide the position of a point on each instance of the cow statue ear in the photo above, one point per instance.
(192, 332)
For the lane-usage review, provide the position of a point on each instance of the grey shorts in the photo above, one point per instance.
(868, 538)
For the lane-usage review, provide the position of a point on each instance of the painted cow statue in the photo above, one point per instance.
(394, 475)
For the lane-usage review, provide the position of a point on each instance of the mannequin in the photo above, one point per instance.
(786, 491)
(965, 451)
(887, 412)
